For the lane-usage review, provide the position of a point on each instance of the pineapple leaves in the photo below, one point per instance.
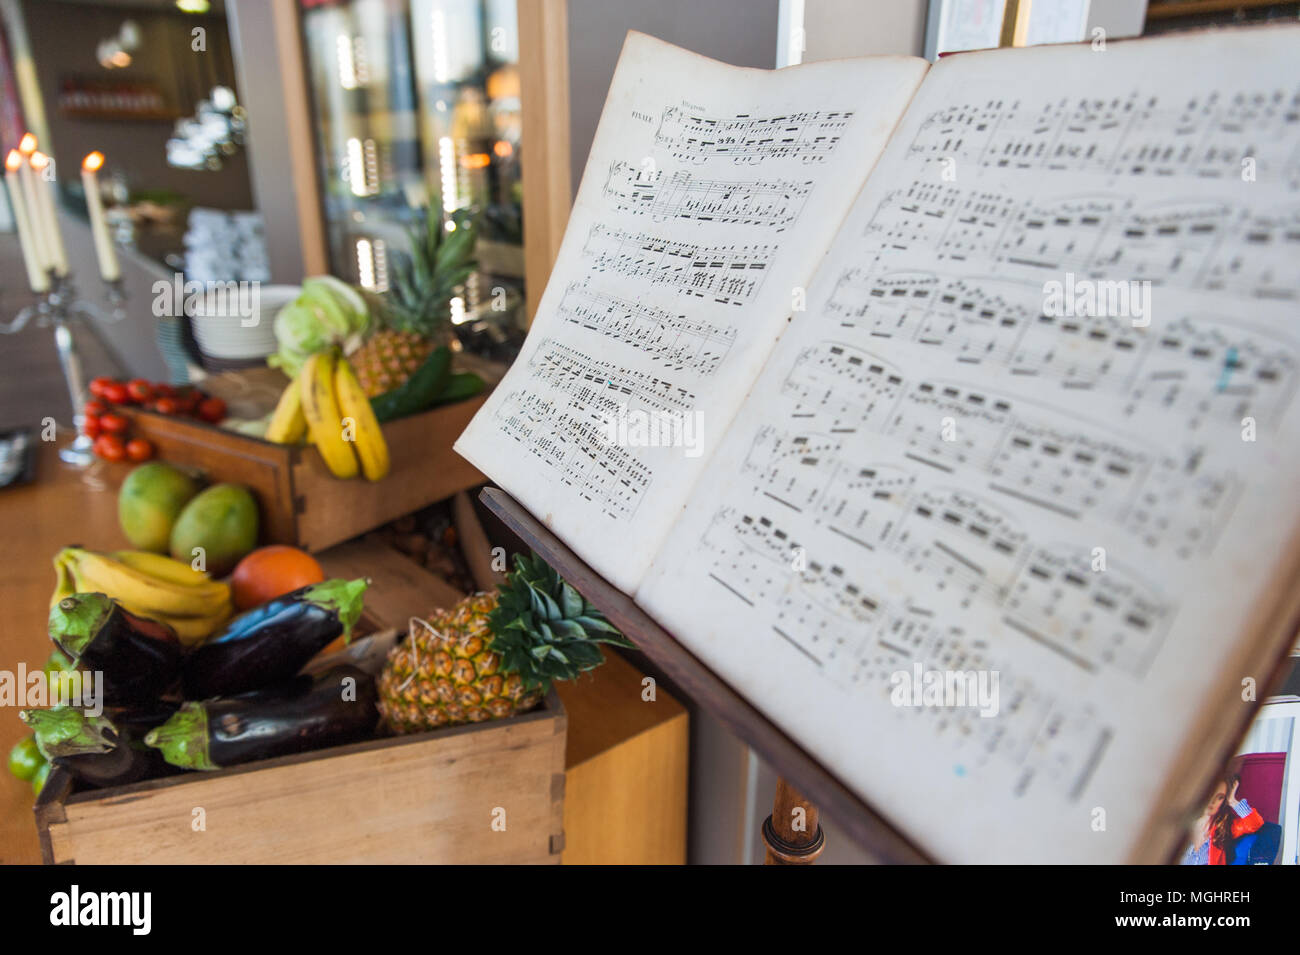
(570, 600)
(544, 629)
(594, 620)
(569, 629)
(544, 605)
(423, 280)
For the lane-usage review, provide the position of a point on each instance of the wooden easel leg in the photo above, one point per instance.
(793, 833)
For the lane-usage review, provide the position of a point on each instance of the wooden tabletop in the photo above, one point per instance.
(61, 507)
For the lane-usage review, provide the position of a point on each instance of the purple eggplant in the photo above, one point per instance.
(270, 643)
(139, 659)
(333, 708)
(95, 749)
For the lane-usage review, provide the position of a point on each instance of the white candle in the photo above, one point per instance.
(36, 275)
(49, 217)
(40, 245)
(105, 251)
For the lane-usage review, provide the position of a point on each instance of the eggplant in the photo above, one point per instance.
(139, 720)
(139, 659)
(270, 643)
(336, 707)
(95, 749)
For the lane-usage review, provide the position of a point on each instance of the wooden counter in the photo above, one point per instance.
(59, 509)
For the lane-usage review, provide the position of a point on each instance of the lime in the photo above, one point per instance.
(38, 781)
(25, 759)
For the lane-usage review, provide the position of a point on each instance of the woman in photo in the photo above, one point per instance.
(1224, 820)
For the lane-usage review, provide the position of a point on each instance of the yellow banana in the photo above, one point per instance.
(288, 426)
(141, 592)
(321, 409)
(163, 567)
(64, 586)
(368, 440)
(191, 631)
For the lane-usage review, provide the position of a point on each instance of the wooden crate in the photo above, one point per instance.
(300, 502)
(626, 766)
(425, 798)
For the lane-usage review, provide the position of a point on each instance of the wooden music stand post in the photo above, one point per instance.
(793, 833)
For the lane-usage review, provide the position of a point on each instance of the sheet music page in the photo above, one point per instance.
(710, 192)
(1032, 447)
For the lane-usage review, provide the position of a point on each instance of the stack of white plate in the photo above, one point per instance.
(237, 321)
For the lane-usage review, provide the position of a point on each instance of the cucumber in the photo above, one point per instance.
(420, 391)
(460, 386)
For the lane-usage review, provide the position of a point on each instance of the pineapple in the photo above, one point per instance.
(413, 315)
(493, 655)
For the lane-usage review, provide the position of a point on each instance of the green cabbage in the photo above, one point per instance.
(327, 313)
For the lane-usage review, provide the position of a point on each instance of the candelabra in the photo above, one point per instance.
(61, 309)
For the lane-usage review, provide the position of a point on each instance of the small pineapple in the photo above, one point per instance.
(414, 315)
(493, 655)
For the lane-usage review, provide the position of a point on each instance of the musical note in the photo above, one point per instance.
(774, 203)
(602, 386)
(809, 137)
(860, 639)
(726, 274)
(1197, 244)
(989, 321)
(1137, 135)
(672, 340)
(573, 447)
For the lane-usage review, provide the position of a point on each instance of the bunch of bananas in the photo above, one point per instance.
(148, 585)
(326, 404)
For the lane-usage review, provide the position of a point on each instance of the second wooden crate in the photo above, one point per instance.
(303, 504)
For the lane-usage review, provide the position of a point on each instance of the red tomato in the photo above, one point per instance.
(139, 449)
(115, 393)
(97, 385)
(139, 390)
(114, 423)
(212, 410)
(91, 426)
(188, 399)
(166, 406)
(163, 390)
(94, 408)
(110, 447)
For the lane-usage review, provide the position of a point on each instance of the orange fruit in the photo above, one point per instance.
(270, 572)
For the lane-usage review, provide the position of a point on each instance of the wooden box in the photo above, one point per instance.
(303, 504)
(626, 766)
(483, 793)
(626, 757)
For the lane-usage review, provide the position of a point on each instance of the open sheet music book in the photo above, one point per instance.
(985, 370)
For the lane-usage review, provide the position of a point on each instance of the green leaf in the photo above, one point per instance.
(569, 629)
(598, 623)
(552, 608)
(570, 600)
